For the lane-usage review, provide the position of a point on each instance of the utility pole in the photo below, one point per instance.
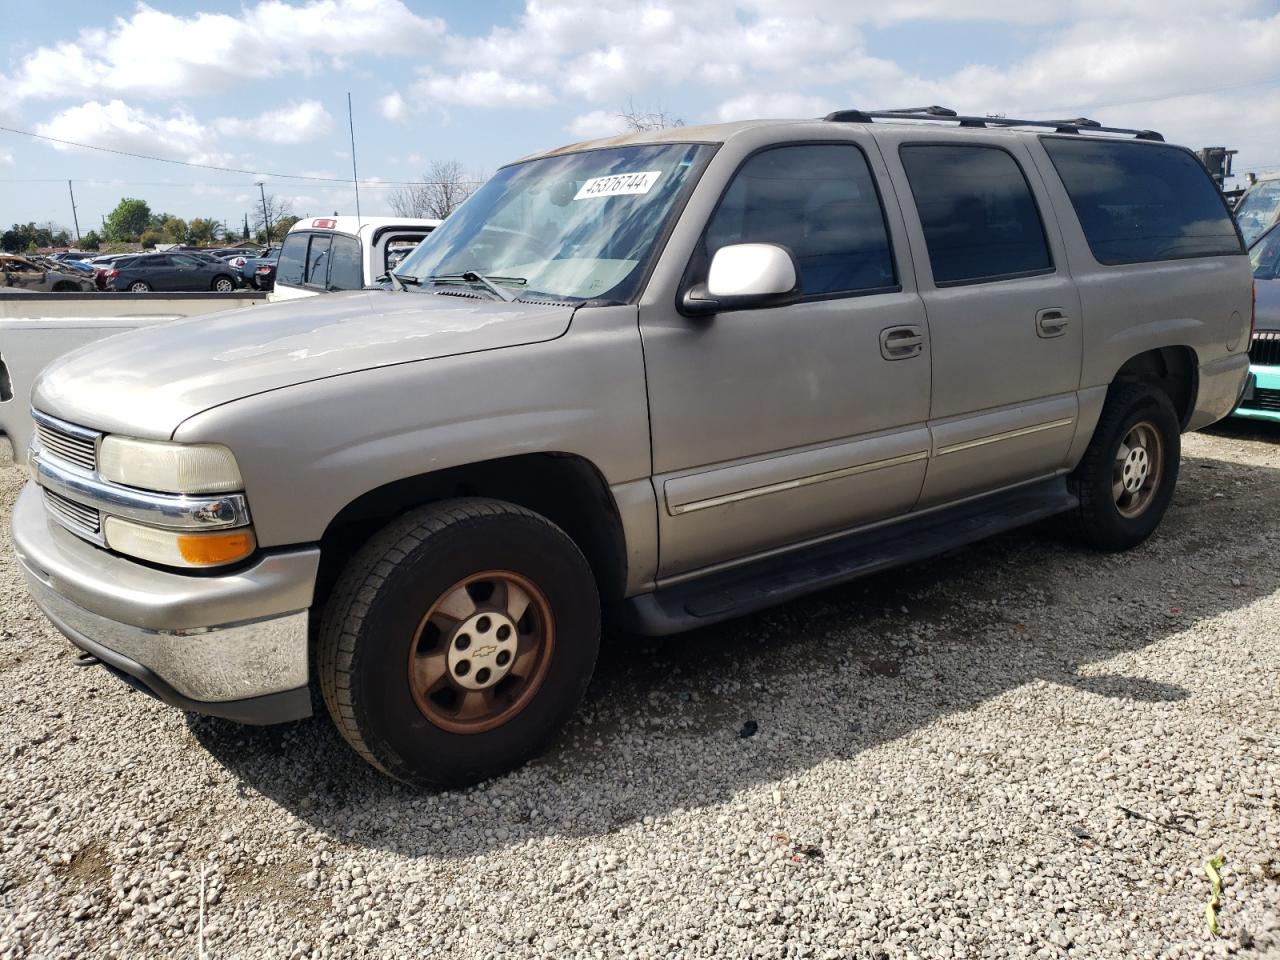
(266, 220)
(74, 219)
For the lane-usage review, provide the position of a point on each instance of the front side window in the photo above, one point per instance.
(1258, 209)
(1264, 255)
(820, 202)
(581, 226)
(979, 218)
(345, 271)
(1142, 202)
(293, 258)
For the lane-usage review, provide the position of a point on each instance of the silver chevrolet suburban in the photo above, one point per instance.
(670, 378)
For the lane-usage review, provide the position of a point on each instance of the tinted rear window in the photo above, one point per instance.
(293, 257)
(1138, 202)
(979, 218)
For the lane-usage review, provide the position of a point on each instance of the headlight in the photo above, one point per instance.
(178, 548)
(168, 467)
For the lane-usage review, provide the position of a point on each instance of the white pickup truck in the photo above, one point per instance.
(323, 254)
(319, 255)
(36, 328)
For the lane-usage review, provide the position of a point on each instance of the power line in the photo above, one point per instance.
(211, 166)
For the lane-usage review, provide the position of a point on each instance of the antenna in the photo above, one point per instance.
(355, 180)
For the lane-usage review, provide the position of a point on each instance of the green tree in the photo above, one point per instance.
(25, 236)
(90, 241)
(150, 237)
(174, 229)
(127, 221)
(202, 231)
(246, 228)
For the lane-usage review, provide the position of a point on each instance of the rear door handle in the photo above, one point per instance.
(1051, 322)
(899, 343)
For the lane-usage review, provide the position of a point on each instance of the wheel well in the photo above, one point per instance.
(1173, 369)
(566, 489)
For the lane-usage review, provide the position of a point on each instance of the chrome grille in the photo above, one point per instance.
(79, 450)
(1264, 350)
(1264, 399)
(75, 515)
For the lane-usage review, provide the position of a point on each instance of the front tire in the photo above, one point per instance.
(1126, 478)
(458, 641)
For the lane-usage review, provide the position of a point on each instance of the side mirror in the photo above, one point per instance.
(745, 276)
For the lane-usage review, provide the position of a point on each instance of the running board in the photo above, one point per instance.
(764, 583)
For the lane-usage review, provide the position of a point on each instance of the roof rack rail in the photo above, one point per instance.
(945, 115)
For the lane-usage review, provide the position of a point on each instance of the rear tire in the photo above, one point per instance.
(223, 284)
(1126, 478)
(139, 286)
(458, 641)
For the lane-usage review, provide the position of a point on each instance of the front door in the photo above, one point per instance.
(186, 273)
(1004, 313)
(773, 426)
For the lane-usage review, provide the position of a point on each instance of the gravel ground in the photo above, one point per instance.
(1021, 749)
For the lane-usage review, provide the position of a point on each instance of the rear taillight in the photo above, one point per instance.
(113, 274)
(264, 270)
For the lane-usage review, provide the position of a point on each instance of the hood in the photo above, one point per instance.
(1267, 311)
(148, 381)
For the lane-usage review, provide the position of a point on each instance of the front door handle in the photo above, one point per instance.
(899, 343)
(1051, 322)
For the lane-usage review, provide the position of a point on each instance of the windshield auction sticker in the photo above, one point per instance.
(618, 184)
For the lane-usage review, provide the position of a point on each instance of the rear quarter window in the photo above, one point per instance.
(1140, 202)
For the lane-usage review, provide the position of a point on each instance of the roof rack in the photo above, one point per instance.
(1077, 125)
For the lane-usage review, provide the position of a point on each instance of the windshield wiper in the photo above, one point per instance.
(398, 281)
(488, 283)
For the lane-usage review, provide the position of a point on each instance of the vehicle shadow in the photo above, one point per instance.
(822, 678)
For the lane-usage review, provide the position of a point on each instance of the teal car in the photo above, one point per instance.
(1261, 399)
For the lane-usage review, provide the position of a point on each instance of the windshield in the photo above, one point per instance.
(1257, 209)
(577, 227)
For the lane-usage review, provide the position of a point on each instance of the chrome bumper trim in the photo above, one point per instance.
(172, 511)
(231, 662)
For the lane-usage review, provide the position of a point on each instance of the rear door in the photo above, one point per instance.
(1004, 314)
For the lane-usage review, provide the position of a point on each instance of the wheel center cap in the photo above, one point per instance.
(481, 650)
(1136, 468)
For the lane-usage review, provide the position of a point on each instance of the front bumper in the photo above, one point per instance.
(232, 646)
(1261, 399)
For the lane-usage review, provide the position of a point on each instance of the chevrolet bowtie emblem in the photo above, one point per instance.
(485, 651)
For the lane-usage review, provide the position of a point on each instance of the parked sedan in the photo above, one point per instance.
(1261, 398)
(22, 274)
(260, 272)
(170, 272)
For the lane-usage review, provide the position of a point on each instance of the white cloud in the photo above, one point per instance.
(597, 123)
(157, 55)
(296, 123)
(6, 158)
(118, 126)
(393, 106)
(751, 106)
(481, 88)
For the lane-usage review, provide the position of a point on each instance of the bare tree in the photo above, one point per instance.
(278, 209)
(638, 121)
(443, 188)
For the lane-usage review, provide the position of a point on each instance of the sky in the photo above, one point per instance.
(261, 85)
